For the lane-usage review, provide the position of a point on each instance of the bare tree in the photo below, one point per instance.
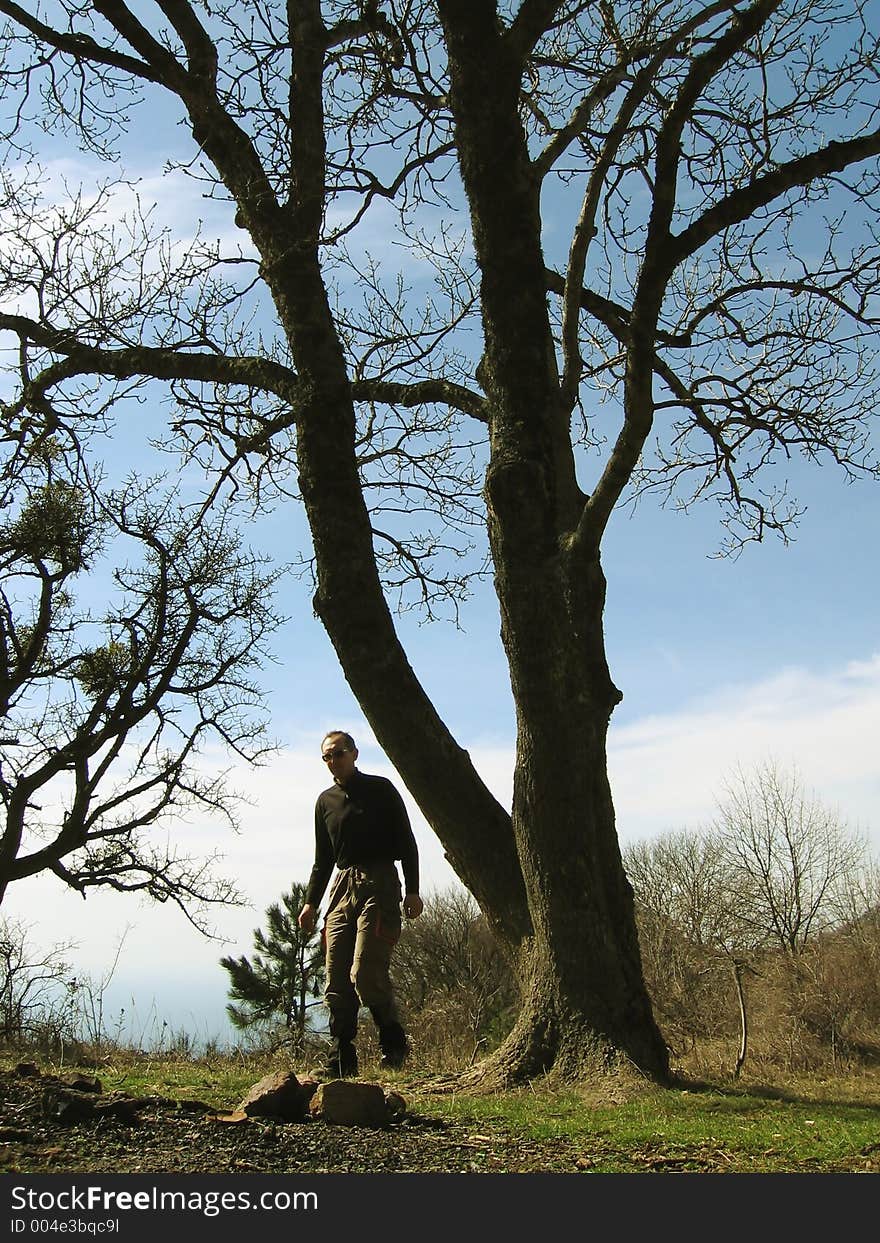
(34, 985)
(792, 864)
(705, 318)
(779, 888)
(104, 713)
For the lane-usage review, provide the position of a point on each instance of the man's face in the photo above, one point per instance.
(338, 758)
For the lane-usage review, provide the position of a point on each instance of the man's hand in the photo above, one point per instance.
(413, 906)
(307, 918)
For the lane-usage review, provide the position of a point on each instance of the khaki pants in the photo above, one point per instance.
(361, 929)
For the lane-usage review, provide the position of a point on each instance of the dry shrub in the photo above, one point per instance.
(815, 1011)
(455, 987)
(823, 1006)
(691, 987)
(450, 1028)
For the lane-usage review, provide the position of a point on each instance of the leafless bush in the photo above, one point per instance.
(792, 861)
(36, 988)
(687, 934)
(454, 983)
(774, 912)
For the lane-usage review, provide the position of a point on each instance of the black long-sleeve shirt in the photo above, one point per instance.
(358, 824)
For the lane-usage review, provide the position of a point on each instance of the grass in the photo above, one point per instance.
(808, 1124)
(794, 1123)
(216, 1081)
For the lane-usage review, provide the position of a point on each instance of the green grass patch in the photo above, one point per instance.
(220, 1081)
(806, 1126)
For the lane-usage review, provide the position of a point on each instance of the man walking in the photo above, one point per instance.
(362, 827)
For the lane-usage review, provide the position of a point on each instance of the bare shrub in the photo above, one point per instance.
(456, 987)
(687, 933)
(773, 911)
(36, 988)
(790, 859)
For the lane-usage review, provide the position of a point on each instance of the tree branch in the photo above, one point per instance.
(158, 363)
(80, 46)
(739, 205)
(655, 272)
(534, 19)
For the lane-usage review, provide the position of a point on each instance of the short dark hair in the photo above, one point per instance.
(339, 733)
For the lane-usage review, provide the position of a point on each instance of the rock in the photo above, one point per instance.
(82, 1084)
(279, 1095)
(396, 1106)
(68, 1105)
(125, 1109)
(343, 1103)
(308, 1087)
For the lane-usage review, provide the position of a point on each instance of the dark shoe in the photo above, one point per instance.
(394, 1046)
(342, 1062)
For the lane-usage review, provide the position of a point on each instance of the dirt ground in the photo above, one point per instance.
(163, 1136)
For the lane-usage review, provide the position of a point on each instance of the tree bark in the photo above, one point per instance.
(585, 997)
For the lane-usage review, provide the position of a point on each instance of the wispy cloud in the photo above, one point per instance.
(667, 771)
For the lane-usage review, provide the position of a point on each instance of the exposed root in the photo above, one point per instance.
(442, 1085)
(536, 1051)
(599, 1084)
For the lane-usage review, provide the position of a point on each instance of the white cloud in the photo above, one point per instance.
(667, 771)
(173, 203)
(175, 200)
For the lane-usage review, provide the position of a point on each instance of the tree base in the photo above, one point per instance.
(564, 1054)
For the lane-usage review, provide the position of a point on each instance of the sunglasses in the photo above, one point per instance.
(327, 756)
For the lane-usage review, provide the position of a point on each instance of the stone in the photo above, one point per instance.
(278, 1095)
(308, 1087)
(81, 1084)
(344, 1103)
(68, 1105)
(396, 1106)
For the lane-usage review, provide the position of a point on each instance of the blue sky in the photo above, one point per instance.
(721, 663)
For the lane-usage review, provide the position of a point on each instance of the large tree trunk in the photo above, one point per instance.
(549, 879)
(471, 824)
(585, 998)
(586, 1001)
(584, 989)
